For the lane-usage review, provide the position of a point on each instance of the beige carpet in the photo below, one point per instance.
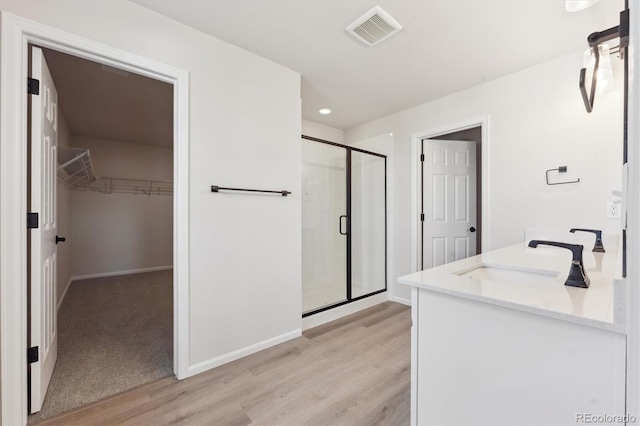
(114, 334)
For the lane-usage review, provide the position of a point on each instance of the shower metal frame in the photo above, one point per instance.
(350, 299)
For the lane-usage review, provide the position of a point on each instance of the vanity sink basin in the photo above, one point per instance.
(508, 275)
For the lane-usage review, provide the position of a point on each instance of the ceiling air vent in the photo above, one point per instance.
(374, 26)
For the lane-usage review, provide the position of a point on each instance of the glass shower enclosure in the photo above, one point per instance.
(344, 235)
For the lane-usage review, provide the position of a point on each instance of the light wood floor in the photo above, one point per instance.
(353, 371)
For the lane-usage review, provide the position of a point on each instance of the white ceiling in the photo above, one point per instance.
(445, 46)
(117, 106)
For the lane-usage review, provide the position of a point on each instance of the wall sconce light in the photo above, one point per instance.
(601, 60)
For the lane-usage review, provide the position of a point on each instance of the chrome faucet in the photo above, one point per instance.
(598, 247)
(577, 275)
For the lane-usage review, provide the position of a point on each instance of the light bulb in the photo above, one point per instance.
(605, 72)
(576, 5)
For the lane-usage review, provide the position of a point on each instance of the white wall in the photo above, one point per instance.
(117, 233)
(63, 205)
(322, 131)
(244, 127)
(537, 121)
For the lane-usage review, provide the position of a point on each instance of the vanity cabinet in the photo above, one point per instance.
(483, 354)
(477, 363)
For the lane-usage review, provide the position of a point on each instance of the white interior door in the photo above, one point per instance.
(44, 126)
(449, 201)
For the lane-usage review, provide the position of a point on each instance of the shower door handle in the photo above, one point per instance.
(340, 224)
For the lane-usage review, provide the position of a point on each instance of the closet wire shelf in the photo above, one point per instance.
(114, 185)
(75, 167)
(76, 172)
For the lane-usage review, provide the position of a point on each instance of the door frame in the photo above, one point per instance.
(416, 181)
(16, 34)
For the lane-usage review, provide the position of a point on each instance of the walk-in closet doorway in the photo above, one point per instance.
(17, 34)
(101, 181)
(344, 224)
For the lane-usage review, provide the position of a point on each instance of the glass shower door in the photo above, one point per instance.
(324, 225)
(368, 224)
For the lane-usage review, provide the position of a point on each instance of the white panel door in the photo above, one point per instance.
(44, 126)
(449, 201)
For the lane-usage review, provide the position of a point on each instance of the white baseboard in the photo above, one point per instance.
(242, 352)
(116, 273)
(400, 300)
(342, 311)
(64, 293)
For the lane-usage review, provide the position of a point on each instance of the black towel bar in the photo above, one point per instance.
(216, 188)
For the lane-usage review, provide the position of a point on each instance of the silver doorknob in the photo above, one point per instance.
(472, 229)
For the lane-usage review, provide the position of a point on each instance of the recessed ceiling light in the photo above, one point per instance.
(325, 111)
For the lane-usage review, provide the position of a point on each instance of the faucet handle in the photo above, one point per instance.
(598, 247)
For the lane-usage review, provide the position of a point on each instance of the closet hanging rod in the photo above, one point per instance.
(216, 188)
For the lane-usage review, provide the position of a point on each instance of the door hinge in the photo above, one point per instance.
(32, 355)
(422, 217)
(421, 157)
(33, 86)
(32, 220)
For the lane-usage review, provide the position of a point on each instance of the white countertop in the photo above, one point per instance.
(542, 293)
